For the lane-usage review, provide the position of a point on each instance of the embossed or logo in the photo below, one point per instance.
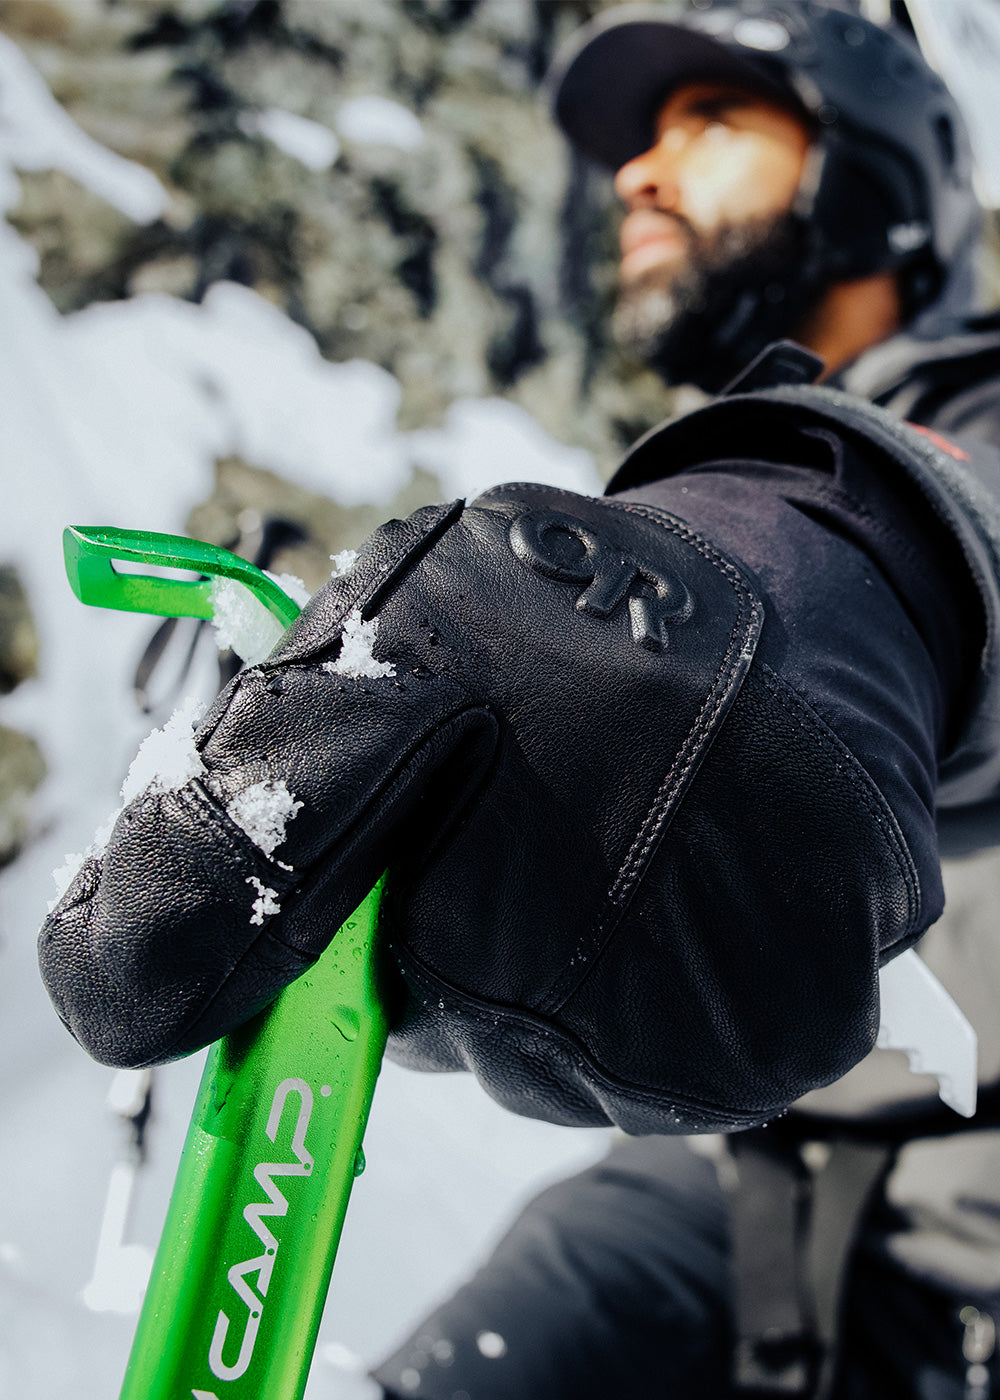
(561, 547)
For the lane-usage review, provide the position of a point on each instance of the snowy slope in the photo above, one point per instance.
(115, 415)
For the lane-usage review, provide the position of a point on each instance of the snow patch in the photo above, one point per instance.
(343, 562)
(378, 121)
(167, 757)
(486, 442)
(277, 397)
(36, 133)
(177, 385)
(266, 901)
(310, 143)
(263, 811)
(356, 656)
(292, 585)
(65, 874)
(241, 622)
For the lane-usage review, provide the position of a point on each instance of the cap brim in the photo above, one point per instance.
(610, 83)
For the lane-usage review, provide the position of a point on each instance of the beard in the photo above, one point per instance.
(737, 290)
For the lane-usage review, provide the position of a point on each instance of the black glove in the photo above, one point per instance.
(634, 876)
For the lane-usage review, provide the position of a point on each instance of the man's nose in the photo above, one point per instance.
(648, 180)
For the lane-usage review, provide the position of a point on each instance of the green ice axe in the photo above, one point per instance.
(244, 1263)
(91, 552)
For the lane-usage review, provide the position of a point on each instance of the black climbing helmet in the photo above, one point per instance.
(889, 184)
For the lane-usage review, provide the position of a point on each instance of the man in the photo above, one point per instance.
(640, 1277)
(656, 777)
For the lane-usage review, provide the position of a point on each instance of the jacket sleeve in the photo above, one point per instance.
(954, 481)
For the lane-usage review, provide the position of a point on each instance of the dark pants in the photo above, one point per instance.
(615, 1285)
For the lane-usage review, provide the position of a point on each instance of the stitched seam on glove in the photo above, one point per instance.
(411, 556)
(367, 592)
(188, 1041)
(729, 676)
(210, 807)
(460, 707)
(718, 698)
(802, 714)
(487, 1014)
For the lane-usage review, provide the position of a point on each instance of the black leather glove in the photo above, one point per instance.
(634, 876)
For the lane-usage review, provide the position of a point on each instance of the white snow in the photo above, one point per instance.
(343, 562)
(371, 120)
(486, 442)
(263, 811)
(356, 657)
(167, 757)
(266, 902)
(236, 376)
(37, 134)
(241, 622)
(64, 875)
(292, 585)
(310, 143)
(165, 761)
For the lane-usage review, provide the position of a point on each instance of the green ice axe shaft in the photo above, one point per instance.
(244, 1263)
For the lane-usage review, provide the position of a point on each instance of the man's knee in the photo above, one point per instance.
(627, 1260)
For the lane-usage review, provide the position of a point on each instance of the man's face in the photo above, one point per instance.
(712, 259)
(723, 158)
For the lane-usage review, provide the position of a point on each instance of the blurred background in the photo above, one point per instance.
(270, 272)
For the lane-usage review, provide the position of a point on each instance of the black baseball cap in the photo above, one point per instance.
(614, 74)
